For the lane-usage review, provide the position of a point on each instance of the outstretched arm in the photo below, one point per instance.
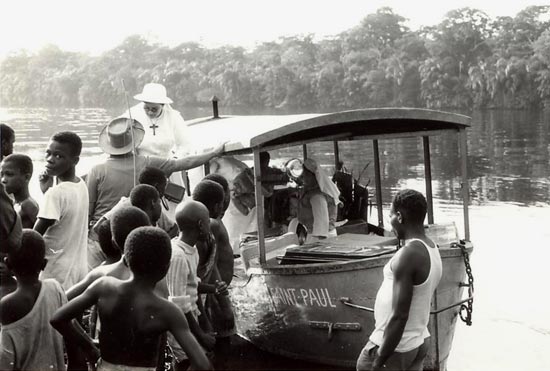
(191, 162)
(83, 284)
(179, 327)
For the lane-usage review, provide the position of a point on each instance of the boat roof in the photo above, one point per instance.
(243, 133)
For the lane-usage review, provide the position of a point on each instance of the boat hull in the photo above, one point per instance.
(300, 311)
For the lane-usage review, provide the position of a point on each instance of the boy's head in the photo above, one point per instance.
(124, 221)
(28, 260)
(16, 172)
(193, 218)
(154, 177)
(148, 252)
(8, 138)
(62, 153)
(218, 178)
(105, 239)
(211, 195)
(147, 198)
(408, 208)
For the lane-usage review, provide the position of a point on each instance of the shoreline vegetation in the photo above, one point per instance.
(467, 61)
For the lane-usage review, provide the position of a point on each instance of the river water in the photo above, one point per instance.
(509, 180)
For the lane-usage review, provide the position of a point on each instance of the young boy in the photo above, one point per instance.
(16, 172)
(7, 138)
(194, 224)
(105, 238)
(133, 317)
(217, 306)
(143, 196)
(28, 342)
(123, 221)
(63, 215)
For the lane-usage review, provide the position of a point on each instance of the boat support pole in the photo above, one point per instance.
(428, 178)
(378, 182)
(465, 184)
(304, 150)
(336, 155)
(259, 205)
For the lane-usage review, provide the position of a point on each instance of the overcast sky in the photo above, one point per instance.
(99, 25)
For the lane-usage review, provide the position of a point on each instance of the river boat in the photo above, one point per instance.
(314, 302)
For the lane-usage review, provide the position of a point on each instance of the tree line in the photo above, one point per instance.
(468, 60)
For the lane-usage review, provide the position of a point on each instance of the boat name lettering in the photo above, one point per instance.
(308, 297)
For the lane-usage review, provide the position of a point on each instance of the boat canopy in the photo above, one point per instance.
(243, 133)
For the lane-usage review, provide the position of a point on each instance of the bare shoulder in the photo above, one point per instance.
(411, 256)
(14, 306)
(104, 284)
(215, 226)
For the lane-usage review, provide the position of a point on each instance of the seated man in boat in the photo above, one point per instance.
(317, 202)
(402, 307)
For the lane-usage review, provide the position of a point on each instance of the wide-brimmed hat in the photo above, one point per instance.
(153, 93)
(116, 138)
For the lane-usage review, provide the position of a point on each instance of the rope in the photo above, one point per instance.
(130, 122)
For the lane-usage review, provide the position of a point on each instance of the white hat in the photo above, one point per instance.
(116, 139)
(153, 93)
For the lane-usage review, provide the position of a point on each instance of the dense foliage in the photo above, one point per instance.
(468, 60)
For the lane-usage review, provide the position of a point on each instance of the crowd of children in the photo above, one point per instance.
(101, 249)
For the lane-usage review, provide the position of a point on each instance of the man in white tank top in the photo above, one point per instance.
(402, 306)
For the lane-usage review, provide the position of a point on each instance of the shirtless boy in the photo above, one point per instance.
(133, 317)
(123, 222)
(16, 171)
(26, 312)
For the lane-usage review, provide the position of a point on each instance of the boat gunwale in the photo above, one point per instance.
(342, 266)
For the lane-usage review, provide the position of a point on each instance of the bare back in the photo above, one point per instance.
(132, 322)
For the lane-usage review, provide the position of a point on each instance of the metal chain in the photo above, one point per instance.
(467, 309)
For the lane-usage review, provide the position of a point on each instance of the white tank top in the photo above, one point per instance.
(416, 329)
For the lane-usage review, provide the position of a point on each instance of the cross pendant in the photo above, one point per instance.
(153, 126)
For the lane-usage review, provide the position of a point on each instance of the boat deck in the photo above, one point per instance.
(285, 249)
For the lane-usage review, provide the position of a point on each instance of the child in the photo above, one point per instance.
(63, 215)
(105, 238)
(123, 221)
(7, 138)
(143, 196)
(194, 224)
(147, 198)
(218, 307)
(16, 170)
(133, 317)
(28, 342)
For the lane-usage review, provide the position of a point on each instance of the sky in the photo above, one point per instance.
(99, 25)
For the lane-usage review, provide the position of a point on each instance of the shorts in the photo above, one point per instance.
(106, 366)
(412, 360)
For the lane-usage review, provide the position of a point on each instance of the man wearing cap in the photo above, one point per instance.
(109, 181)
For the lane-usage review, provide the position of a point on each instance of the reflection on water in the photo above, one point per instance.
(509, 152)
